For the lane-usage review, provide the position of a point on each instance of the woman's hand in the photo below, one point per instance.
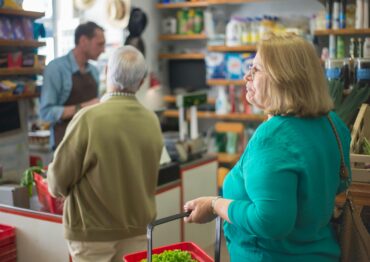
(201, 210)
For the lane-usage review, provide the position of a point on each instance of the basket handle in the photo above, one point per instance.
(150, 227)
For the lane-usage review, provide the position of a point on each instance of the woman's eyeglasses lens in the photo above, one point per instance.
(252, 71)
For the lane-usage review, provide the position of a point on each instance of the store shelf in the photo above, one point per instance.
(346, 31)
(223, 2)
(10, 98)
(223, 48)
(182, 5)
(21, 43)
(22, 13)
(204, 3)
(226, 158)
(190, 56)
(20, 71)
(225, 82)
(175, 37)
(213, 115)
(172, 99)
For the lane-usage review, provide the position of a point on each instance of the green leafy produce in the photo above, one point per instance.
(27, 177)
(348, 106)
(365, 146)
(175, 255)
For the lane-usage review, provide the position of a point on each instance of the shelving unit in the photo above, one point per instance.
(176, 37)
(182, 5)
(223, 48)
(9, 45)
(21, 43)
(213, 115)
(23, 13)
(11, 98)
(20, 71)
(172, 99)
(203, 3)
(225, 82)
(190, 56)
(346, 31)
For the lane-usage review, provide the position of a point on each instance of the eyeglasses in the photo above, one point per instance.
(252, 70)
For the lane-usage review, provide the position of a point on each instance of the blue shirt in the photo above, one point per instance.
(57, 86)
(284, 189)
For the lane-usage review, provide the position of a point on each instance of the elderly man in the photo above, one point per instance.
(106, 167)
(71, 82)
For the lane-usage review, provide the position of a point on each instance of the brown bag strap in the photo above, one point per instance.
(343, 167)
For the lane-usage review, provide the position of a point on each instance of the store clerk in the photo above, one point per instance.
(71, 82)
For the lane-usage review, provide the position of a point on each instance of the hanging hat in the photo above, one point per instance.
(83, 4)
(137, 22)
(118, 12)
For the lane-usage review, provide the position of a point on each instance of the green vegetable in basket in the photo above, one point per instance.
(365, 146)
(27, 177)
(175, 255)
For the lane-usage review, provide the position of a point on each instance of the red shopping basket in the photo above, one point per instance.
(51, 204)
(8, 247)
(195, 251)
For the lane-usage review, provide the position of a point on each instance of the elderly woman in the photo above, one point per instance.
(279, 198)
(109, 155)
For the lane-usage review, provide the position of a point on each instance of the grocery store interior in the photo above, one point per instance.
(197, 52)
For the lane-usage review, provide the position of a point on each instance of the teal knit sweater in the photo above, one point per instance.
(284, 188)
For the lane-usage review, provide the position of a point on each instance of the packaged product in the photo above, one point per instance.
(215, 65)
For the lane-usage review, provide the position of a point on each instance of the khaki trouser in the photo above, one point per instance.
(105, 251)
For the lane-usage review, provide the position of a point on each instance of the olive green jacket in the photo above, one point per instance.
(106, 168)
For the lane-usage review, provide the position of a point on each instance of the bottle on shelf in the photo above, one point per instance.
(342, 14)
(222, 103)
(332, 46)
(359, 14)
(340, 47)
(233, 32)
(336, 8)
(353, 48)
(366, 47)
(360, 50)
(328, 13)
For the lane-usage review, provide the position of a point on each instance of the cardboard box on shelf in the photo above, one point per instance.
(14, 195)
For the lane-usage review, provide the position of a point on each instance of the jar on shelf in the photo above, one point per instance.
(362, 71)
(338, 69)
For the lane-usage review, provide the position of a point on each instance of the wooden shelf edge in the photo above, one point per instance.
(182, 5)
(225, 82)
(17, 97)
(24, 13)
(172, 99)
(21, 71)
(190, 56)
(175, 37)
(227, 158)
(346, 31)
(223, 48)
(213, 115)
(223, 2)
(21, 43)
(204, 3)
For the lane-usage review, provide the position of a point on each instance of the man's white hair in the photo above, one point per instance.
(126, 69)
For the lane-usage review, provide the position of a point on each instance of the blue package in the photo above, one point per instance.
(247, 60)
(234, 66)
(215, 65)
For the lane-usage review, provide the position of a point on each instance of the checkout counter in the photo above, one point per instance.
(39, 235)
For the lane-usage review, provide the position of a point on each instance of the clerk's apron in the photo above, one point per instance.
(84, 88)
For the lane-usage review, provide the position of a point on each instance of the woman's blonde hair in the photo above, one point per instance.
(295, 77)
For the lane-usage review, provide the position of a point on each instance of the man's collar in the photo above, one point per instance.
(75, 67)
